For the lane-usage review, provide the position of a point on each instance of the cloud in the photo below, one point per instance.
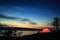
(33, 23)
(7, 17)
(19, 8)
(27, 20)
(17, 19)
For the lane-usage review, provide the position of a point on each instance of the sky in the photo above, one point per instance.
(29, 13)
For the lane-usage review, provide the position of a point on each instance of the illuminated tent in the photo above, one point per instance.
(45, 30)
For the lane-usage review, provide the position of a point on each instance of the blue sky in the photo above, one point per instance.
(38, 11)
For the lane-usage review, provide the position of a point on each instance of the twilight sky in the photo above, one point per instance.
(29, 13)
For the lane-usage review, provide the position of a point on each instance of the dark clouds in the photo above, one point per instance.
(7, 17)
(14, 18)
(25, 20)
(32, 23)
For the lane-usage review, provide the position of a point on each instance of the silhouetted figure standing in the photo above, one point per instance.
(56, 23)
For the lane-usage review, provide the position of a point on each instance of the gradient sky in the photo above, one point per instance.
(32, 13)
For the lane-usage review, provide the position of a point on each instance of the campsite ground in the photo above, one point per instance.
(43, 36)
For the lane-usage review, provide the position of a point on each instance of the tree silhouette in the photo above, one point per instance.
(56, 23)
(8, 33)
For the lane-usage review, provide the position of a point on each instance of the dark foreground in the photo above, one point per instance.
(43, 36)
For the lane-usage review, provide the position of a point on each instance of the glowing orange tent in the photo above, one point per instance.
(45, 30)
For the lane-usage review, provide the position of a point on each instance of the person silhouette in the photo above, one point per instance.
(56, 23)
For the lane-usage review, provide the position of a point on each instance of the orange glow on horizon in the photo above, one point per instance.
(17, 24)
